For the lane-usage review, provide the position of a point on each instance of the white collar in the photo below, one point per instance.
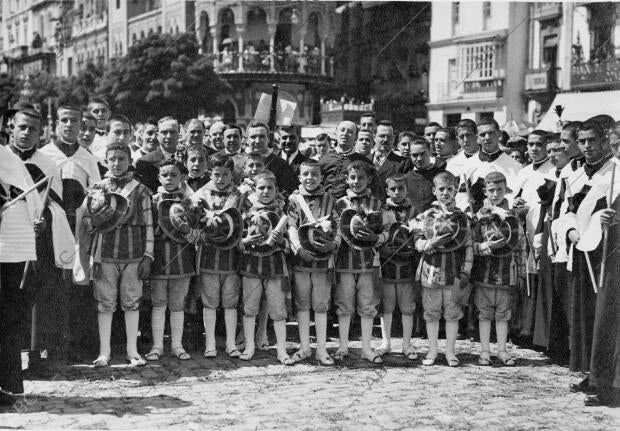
(290, 158)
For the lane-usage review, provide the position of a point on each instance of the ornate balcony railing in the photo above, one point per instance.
(273, 62)
(601, 73)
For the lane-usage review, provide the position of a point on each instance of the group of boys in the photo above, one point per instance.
(251, 229)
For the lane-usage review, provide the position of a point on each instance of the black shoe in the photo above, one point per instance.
(582, 386)
(598, 400)
(7, 399)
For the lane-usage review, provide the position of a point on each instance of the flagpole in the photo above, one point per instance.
(606, 231)
(273, 113)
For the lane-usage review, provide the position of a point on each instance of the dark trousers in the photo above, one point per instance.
(13, 315)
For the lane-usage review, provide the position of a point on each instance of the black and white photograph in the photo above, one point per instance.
(312, 214)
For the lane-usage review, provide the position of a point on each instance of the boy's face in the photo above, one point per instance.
(443, 145)
(488, 138)
(444, 192)
(253, 167)
(265, 190)
(221, 176)
(118, 162)
(614, 143)
(310, 177)
(495, 192)
(119, 133)
(557, 154)
(397, 190)
(516, 155)
(467, 139)
(149, 138)
(591, 145)
(196, 163)
(357, 180)
(420, 155)
(87, 132)
(68, 125)
(322, 147)
(170, 177)
(26, 131)
(536, 148)
(403, 146)
(101, 114)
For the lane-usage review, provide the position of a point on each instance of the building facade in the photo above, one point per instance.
(574, 48)
(478, 61)
(254, 44)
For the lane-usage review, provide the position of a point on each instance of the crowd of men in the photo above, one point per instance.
(562, 190)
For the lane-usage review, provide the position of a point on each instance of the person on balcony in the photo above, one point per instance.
(227, 59)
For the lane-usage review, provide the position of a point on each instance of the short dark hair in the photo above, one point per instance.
(291, 130)
(592, 125)
(255, 123)
(88, 116)
(406, 134)
(543, 134)
(489, 122)
(69, 108)
(433, 124)
(495, 178)
(448, 131)
(219, 160)
(31, 113)
(572, 127)
(232, 126)
(360, 165)
(420, 141)
(99, 101)
(266, 175)
(444, 176)
(118, 146)
(118, 118)
(368, 114)
(311, 163)
(467, 123)
(398, 178)
(321, 137)
(604, 120)
(172, 162)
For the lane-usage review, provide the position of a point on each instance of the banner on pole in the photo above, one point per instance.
(285, 109)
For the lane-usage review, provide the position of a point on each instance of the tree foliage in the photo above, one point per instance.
(161, 75)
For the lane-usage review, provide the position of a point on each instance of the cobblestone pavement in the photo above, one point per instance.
(262, 394)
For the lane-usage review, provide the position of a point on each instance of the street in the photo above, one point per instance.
(262, 394)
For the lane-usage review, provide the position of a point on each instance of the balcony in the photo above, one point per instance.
(263, 66)
(603, 74)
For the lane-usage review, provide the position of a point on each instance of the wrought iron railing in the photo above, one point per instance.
(595, 73)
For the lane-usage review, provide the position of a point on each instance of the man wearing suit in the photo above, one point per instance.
(257, 140)
(386, 162)
(289, 141)
(147, 167)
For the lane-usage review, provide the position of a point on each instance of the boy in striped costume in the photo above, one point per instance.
(398, 276)
(356, 268)
(173, 266)
(440, 270)
(495, 276)
(220, 282)
(126, 254)
(264, 272)
(310, 203)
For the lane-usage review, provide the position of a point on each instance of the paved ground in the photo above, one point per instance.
(232, 394)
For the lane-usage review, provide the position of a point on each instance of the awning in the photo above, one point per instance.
(581, 106)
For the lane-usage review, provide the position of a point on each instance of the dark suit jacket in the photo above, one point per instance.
(147, 169)
(333, 165)
(420, 185)
(297, 161)
(391, 166)
(287, 180)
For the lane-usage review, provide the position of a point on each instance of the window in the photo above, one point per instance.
(118, 4)
(477, 61)
(456, 6)
(69, 66)
(452, 120)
